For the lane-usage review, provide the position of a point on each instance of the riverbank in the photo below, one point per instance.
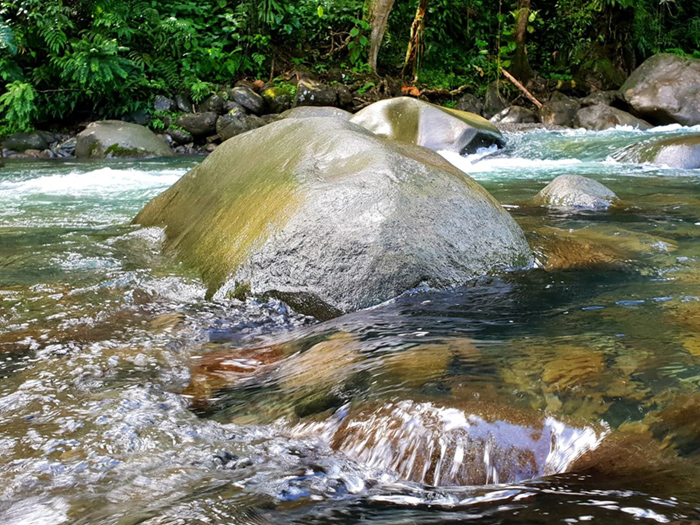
(197, 128)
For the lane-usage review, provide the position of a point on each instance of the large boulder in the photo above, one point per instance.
(22, 141)
(438, 128)
(574, 191)
(316, 112)
(325, 215)
(665, 89)
(682, 152)
(601, 117)
(115, 138)
(198, 124)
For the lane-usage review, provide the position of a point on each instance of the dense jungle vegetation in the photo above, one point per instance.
(63, 59)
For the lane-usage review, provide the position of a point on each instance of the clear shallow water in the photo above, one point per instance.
(567, 393)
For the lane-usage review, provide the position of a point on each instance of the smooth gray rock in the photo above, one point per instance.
(560, 110)
(515, 115)
(198, 124)
(38, 140)
(682, 152)
(115, 138)
(248, 98)
(311, 93)
(330, 218)
(665, 89)
(316, 112)
(574, 191)
(604, 117)
(438, 128)
(470, 103)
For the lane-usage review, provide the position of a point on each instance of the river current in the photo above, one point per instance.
(565, 393)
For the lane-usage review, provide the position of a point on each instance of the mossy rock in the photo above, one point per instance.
(438, 128)
(325, 211)
(114, 138)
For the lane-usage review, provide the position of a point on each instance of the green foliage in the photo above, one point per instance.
(18, 104)
(105, 58)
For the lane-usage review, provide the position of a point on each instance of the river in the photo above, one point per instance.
(565, 393)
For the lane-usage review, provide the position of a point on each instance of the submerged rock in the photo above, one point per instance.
(326, 216)
(574, 191)
(682, 152)
(665, 89)
(438, 128)
(599, 117)
(115, 138)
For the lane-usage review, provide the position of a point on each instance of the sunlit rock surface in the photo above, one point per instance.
(330, 218)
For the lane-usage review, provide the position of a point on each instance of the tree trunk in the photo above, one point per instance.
(520, 67)
(377, 16)
(416, 42)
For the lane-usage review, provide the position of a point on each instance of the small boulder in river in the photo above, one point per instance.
(665, 90)
(599, 117)
(574, 191)
(316, 112)
(682, 152)
(438, 128)
(115, 138)
(198, 124)
(330, 218)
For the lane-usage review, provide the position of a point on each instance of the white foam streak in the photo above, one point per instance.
(91, 183)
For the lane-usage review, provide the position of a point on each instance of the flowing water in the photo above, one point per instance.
(561, 394)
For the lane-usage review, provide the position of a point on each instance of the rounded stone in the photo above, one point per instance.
(574, 191)
(330, 218)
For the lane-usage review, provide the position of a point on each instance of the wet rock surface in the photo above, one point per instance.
(598, 117)
(574, 191)
(440, 129)
(355, 232)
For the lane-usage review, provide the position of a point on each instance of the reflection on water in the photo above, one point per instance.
(568, 393)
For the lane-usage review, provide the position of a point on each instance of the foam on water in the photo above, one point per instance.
(92, 183)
